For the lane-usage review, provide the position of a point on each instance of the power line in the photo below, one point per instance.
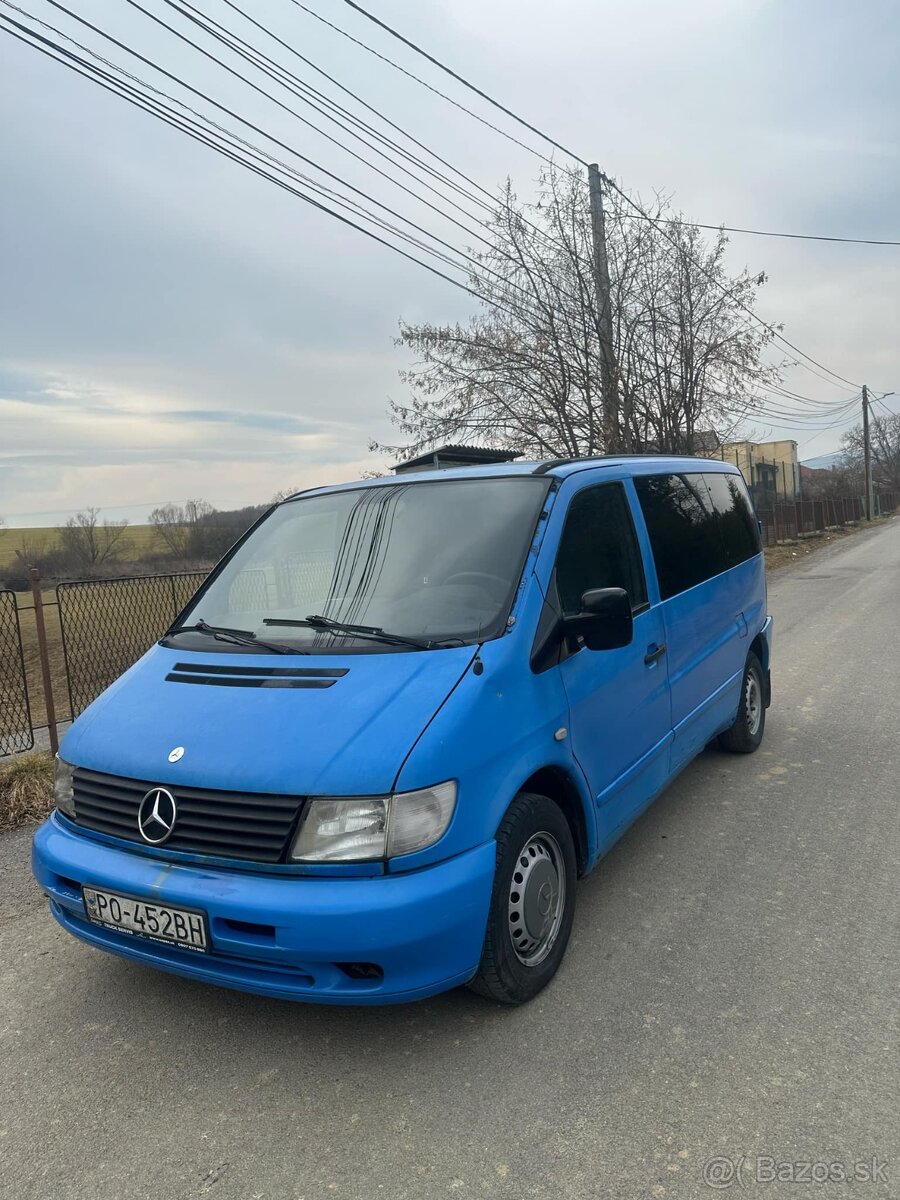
(473, 233)
(286, 108)
(746, 308)
(365, 104)
(417, 79)
(803, 237)
(317, 99)
(258, 152)
(810, 414)
(479, 264)
(460, 79)
(146, 104)
(840, 421)
(183, 124)
(249, 124)
(490, 207)
(646, 216)
(406, 41)
(881, 404)
(180, 123)
(787, 394)
(791, 422)
(819, 407)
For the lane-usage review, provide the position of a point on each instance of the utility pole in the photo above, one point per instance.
(608, 373)
(867, 453)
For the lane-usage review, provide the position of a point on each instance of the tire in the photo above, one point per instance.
(524, 943)
(746, 733)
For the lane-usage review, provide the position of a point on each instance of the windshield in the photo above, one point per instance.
(432, 562)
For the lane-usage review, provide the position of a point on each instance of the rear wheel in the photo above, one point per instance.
(747, 731)
(532, 904)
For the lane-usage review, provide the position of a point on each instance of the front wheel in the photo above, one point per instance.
(532, 904)
(746, 733)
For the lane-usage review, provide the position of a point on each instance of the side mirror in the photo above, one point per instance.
(605, 621)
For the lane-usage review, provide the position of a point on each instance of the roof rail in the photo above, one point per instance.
(550, 463)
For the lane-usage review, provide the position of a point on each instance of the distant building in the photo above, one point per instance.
(816, 474)
(772, 469)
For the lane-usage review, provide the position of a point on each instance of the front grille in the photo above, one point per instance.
(246, 825)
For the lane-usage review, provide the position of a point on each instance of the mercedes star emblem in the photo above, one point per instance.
(156, 816)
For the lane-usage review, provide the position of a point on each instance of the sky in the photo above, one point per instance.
(172, 326)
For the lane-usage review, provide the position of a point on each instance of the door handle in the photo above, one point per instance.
(653, 656)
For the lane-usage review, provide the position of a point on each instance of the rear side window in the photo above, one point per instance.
(699, 526)
(599, 548)
(682, 528)
(737, 526)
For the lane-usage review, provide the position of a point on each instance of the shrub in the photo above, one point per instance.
(26, 790)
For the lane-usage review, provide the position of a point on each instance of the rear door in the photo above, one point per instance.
(619, 711)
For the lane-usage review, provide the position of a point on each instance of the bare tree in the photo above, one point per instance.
(176, 525)
(525, 372)
(884, 438)
(89, 544)
(32, 550)
(842, 479)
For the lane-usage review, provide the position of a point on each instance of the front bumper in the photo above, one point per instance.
(284, 936)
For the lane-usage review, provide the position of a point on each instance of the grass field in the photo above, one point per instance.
(139, 542)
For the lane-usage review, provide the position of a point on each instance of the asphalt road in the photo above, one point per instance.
(732, 988)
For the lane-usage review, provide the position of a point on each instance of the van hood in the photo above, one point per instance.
(244, 728)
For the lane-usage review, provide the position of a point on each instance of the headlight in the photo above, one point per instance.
(370, 827)
(343, 830)
(62, 788)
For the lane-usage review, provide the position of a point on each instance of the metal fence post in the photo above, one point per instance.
(35, 577)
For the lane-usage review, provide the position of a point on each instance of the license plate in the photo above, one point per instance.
(175, 926)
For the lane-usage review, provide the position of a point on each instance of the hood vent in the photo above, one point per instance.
(216, 675)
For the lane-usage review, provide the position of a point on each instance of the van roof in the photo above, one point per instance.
(557, 468)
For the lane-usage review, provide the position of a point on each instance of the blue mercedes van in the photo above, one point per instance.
(401, 718)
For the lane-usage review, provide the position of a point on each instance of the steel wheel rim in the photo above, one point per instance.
(537, 899)
(753, 702)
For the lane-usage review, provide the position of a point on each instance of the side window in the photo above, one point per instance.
(737, 526)
(682, 525)
(599, 548)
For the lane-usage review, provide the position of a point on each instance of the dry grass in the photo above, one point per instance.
(26, 790)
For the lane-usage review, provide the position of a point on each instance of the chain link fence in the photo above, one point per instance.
(107, 624)
(16, 732)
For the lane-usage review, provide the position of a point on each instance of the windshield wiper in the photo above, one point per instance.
(237, 637)
(373, 632)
